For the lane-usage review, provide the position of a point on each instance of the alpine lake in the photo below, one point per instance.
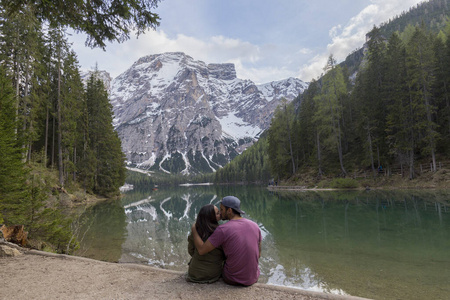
(374, 244)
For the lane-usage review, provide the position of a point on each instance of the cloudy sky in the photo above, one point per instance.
(266, 40)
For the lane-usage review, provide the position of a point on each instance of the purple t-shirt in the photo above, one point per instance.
(240, 242)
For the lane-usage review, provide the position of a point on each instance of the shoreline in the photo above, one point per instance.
(42, 275)
(384, 188)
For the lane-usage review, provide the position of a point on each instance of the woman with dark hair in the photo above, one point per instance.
(205, 268)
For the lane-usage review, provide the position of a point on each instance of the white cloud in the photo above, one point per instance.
(258, 62)
(304, 51)
(345, 39)
(118, 57)
(334, 31)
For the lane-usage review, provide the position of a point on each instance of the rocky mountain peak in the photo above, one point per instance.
(222, 71)
(176, 114)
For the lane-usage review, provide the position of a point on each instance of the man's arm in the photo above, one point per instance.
(202, 248)
(259, 246)
(259, 243)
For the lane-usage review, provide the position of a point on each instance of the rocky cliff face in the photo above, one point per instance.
(179, 115)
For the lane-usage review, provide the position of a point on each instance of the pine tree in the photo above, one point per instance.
(279, 150)
(103, 142)
(442, 86)
(21, 48)
(71, 110)
(420, 66)
(374, 108)
(307, 127)
(12, 169)
(329, 109)
(399, 120)
(101, 20)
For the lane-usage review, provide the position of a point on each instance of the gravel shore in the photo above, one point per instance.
(32, 274)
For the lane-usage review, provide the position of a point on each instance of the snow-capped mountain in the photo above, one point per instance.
(176, 114)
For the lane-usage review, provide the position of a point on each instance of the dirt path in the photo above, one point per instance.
(40, 275)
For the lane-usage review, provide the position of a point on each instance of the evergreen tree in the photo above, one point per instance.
(442, 87)
(21, 55)
(252, 166)
(101, 20)
(374, 108)
(421, 78)
(71, 110)
(307, 127)
(104, 145)
(399, 121)
(279, 150)
(12, 169)
(330, 108)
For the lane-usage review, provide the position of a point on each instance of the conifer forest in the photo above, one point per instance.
(52, 121)
(385, 109)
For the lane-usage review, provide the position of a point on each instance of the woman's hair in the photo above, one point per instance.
(206, 221)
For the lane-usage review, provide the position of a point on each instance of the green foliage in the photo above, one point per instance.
(47, 223)
(198, 160)
(434, 14)
(343, 183)
(252, 166)
(143, 181)
(280, 140)
(174, 164)
(101, 20)
(329, 115)
(12, 170)
(49, 120)
(395, 113)
(23, 202)
(103, 160)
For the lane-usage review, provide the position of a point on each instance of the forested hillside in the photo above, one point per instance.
(395, 115)
(53, 125)
(433, 14)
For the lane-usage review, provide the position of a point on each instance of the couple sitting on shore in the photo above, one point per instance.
(230, 250)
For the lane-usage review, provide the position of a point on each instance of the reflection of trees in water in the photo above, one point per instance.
(343, 235)
(102, 231)
(326, 240)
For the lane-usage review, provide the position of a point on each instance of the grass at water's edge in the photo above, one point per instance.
(427, 180)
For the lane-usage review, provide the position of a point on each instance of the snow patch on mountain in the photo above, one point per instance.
(233, 126)
(179, 115)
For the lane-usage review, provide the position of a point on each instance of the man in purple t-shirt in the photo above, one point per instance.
(240, 240)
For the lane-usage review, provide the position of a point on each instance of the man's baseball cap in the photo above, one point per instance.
(232, 202)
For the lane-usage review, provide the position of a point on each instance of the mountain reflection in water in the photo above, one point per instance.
(375, 244)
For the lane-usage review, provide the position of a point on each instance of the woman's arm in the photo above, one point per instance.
(202, 248)
(191, 246)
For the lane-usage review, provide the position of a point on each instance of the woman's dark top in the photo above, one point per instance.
(204, 268)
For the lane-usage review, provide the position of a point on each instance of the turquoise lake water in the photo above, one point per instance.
(374, 244)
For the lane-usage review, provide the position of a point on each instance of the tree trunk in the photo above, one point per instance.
(319, 159)
(290, 140)
(46, 138)
(74, 163)
(30, 113)
(53, 142)
(369, 138)
(60, 158)
(411, 164)
(341, 158)
(337, 133)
